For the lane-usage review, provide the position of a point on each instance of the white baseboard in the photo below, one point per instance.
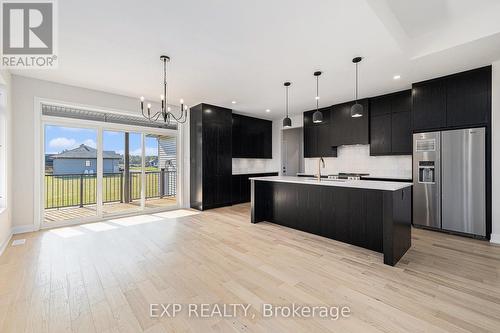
(21, 229)
(6, 242)
(495, 238)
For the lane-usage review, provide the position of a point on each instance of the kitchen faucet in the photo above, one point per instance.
(320, 161)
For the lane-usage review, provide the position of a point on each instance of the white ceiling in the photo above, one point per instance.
(224, 50)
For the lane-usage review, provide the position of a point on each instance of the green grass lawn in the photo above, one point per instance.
(64, 191)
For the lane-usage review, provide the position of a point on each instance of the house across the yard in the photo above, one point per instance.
(83, 160)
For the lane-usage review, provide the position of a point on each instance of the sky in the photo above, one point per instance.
(59, 138)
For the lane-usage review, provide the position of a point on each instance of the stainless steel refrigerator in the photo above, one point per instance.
(449, 173)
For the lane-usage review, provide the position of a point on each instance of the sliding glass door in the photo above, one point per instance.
(70, 173)
(122, 163)
(160, 171)
(95, 173)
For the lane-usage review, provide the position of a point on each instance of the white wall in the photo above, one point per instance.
(357, 159)
(255, 165)
(24, 91)
(495, 149)
(6, 211)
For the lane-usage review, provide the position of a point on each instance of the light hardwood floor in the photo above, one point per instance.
(102, 277)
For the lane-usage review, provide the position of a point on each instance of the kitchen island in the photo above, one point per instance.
(375, 215)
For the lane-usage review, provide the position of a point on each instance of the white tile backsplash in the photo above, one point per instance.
(357, 159)
(253, 165)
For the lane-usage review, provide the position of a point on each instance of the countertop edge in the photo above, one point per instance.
(361, 184)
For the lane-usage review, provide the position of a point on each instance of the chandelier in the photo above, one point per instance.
(165, 111)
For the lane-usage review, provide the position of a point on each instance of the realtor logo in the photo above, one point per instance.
(28, 34)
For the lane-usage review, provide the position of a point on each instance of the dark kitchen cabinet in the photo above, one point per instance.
(401, 140)
(454, 101)
(241, 186)
(381, 136)
(429, 105)
(210, 156)
(390, 124)
(380, 106)
(252, 137)
(346, 130)
(468, 98)
(317, 136)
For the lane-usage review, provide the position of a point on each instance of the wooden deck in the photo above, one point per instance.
(73, 213)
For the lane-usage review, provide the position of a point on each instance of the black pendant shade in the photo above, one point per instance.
(287, 122)
(317, 116)
(357, 109)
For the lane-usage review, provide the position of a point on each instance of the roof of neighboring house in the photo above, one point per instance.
(84, 151)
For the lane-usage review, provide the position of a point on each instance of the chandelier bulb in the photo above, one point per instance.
(142, 98)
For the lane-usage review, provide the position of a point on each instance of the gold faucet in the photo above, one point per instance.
(320, 161)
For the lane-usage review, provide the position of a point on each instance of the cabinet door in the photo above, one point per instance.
(401, 133)
(468, 97)
(237, 136)
(401, 102)
(236, 189)
(310, 141)
(224, 165)
(346, 130)
(380, 106)
(267, 138)
(325, 148)
(310, 136)
(339, 127)
(380, 134)
(429, 105)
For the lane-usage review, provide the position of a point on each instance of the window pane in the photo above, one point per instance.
(121, 183)
(161, 171)
(69, 183)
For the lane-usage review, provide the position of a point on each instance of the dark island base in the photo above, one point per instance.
(372, 219)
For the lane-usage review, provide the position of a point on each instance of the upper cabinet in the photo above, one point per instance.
(252, 137)
(457, 100)
(390, 124)
(346, 130)
(468, 98)
(317, 136)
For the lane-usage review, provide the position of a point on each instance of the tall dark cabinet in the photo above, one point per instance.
(210, 161)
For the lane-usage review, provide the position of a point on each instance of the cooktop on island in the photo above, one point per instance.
(348, 175)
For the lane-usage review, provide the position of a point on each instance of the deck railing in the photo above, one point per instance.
(79, 190)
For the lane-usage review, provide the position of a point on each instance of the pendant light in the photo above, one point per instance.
(287, 122)
(357, 109)
(317, 116)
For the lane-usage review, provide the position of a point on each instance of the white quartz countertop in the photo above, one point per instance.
(364, 184)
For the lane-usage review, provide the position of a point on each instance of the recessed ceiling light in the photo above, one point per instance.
(233, 102)
(268, 110)
(396, 77)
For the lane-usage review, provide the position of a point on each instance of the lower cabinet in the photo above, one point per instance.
(241, 186)
(349, 215)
